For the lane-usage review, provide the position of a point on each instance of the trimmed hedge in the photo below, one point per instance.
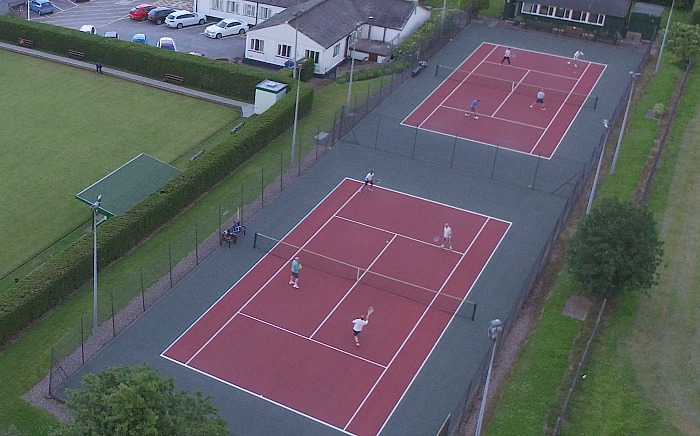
(67, 271)
(217, 77)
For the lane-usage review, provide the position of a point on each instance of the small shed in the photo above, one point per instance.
(645, 19)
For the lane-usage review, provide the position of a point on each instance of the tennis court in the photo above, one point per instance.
(357, 250)
(506, 118)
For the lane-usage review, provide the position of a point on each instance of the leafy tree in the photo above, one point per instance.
(616, 249)
(684, 41)
(480, 5)
(124, 400)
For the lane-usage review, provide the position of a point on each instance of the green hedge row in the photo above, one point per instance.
(217, 77)
(67, 271)
(694, 17)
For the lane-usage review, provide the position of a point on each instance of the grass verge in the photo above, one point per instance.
(24, 362)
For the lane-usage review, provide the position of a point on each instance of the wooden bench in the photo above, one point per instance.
(416, 71)
(172, 78)
(238, 126)
(76, 54)
(26, 42)
(231, 234)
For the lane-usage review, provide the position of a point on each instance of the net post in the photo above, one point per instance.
(473, 311)
(595, 103)
(436, 69)
(255, 240)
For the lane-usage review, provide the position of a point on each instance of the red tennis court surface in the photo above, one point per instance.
(506, 92)
(295, 347)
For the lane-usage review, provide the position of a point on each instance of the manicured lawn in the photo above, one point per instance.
(65, 128)
(26, 361)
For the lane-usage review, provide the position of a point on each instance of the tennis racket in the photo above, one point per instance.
(370, 310)
(436, 239)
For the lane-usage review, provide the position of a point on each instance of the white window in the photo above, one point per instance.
(310, 54)
(257, 45)
(336, 50)
(284, 51)
(265, 13)
(232, 7)
(249, 10)
(217, 5)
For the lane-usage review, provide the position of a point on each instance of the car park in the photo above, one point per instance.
(140, 12)
(158, 15)
(87, 28)
(111, 34)
(139, 38)
(181, 19)
(167, 43)
(41, 7)
(226, 27)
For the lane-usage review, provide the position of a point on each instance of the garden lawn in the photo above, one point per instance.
(64, 128)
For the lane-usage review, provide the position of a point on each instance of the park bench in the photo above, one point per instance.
(416, 71)
(172, 78)
(76, 54)
(238, 126)
(26, 42)
(231, 234)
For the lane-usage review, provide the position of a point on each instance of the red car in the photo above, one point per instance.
(140, 12)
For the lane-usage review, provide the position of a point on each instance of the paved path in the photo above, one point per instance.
(246, 108)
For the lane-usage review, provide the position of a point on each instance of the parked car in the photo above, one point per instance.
(140, 12)
(111, 34)
(139, 38)
(157, 15)
(227, 27)
(181, 19)
(41, 7)
(87, 28)
(167, 43)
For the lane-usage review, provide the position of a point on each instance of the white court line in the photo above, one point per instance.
(568, 96)
(284, 265)
(415, 326)
(332, 311)
(495, 118)
(242, 389)
(252, 268)
(369, 226)
(275, 326)
(439, 105)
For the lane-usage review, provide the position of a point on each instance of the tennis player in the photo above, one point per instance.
(472, 109)
(506, 56)
(357, 325)
(577, 55)
(294, 279)
(369, 180)
(540, 99)
(446, 236)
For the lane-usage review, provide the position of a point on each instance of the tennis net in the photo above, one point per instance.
(468, 77)
(366, 277)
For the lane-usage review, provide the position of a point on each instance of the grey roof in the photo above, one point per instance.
(647, 9)
(615, 8)
(339, 17)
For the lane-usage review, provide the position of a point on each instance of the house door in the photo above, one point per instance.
(372, 57)
(509, 9)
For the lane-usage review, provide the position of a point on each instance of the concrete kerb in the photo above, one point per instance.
(247, 109)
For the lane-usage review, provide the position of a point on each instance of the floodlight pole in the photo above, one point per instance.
(663, 41)
(606, 124)
(95, 209)
(29, 18)
(352, 66)
(495, 328)
(634, 76)
(295, 74)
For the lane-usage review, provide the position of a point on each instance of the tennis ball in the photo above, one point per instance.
(387, 242)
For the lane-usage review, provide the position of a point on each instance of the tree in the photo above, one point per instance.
(684, 41)
(616, 249)
(128, 400)
(480, 5)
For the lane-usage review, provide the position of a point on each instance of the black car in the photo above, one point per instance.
(158, 15)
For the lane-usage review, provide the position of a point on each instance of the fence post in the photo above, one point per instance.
(82, 341)
(111, 302)
(281, 172)
(376, 133)
(262, 187)
(143, 296)
(170, 264)
(196, 245)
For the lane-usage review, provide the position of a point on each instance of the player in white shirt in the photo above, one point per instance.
(357, 325)
(446, 236)
(369, 180)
